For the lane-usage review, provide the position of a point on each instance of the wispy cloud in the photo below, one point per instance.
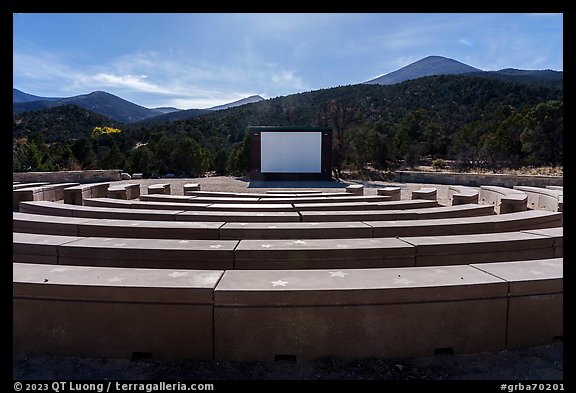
(466, 42)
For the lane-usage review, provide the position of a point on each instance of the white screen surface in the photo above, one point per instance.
(291, 152)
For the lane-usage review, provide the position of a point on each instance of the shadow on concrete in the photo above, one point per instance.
(304, 184)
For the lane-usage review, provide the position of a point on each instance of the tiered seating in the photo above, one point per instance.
(543, 198)
(396, 278)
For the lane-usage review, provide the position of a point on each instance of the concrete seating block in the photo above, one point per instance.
(307, 192)
(392, 191)
(427, 193)
(559, 188)
(461, 195)
(323, 253)
(535, 305)
(480, 248)
(143, 253)
(113, 312)
(466, 210)
(35, 248)
(163, 188)
(124, 191)
(357, 313)
(355, 189)
(77, 194)
(251, 207)
(188, 187)
(542, 198)
(295, 230)
(16, 186)
(363, 215)
(505, 200)
(137, 176)
(49, 192)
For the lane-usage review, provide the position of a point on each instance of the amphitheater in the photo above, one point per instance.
(172, 269)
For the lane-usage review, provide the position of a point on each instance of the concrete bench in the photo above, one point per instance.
(358, 313)
(59, 209)
(137, 204)
(559, 188)
(355, 189)
(461, 195)
(535, 300)
(543, 198)
(504, 200)
(480, 248)
(250, 207)
(124, 191)
(323, 254)
(556, 234)
(392, 191)
(468, 225)
(49, 192)
(123, 313)
(296, 230)
(77, 194)
(136, 176)
(238, 216)
(307, 192)
(428, 193)
(36, 248)
(100, 227)
(399, 213)
(188, 187)
(17, 186)
(123, 252)
(162, 188)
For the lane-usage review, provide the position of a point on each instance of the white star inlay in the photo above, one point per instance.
(279, 283)
(183, 241)
(216, 246)
(339, 273)
(116, 279)
(272, 226)
(119, 244)
(178, 274)
(266, 245)
(299, 242)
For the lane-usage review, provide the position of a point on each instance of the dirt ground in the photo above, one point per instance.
(534, 363)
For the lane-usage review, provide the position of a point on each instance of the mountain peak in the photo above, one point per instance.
(243, 101)
(430, 65)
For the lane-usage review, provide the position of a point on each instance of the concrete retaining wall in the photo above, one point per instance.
(477, 179)
(89, 176)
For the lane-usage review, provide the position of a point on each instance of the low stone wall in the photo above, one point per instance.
(89, 176)
(477, 179)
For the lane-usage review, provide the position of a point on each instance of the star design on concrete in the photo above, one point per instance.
(272, 226)
(216, 246)
(266, 245)
(178, 274)
(119, 244)
(59, 269)
(314, 223)
(403, 281)
(260, 214)
(279, 283)
(299, 242)
(339, 273)
(243, 224)
(341, 245)
(116, 279)
(183, 241)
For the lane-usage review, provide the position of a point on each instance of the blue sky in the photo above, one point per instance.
(203, 60)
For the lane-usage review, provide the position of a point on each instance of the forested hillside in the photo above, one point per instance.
(478, 121)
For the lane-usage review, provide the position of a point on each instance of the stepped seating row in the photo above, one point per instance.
(77, 226)
(264, 315)
(504, 200)
(46, 192)
(288, 253)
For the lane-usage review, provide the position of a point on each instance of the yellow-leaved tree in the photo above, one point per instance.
(98, 131)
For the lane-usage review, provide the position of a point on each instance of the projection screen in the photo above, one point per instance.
(291, 152)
